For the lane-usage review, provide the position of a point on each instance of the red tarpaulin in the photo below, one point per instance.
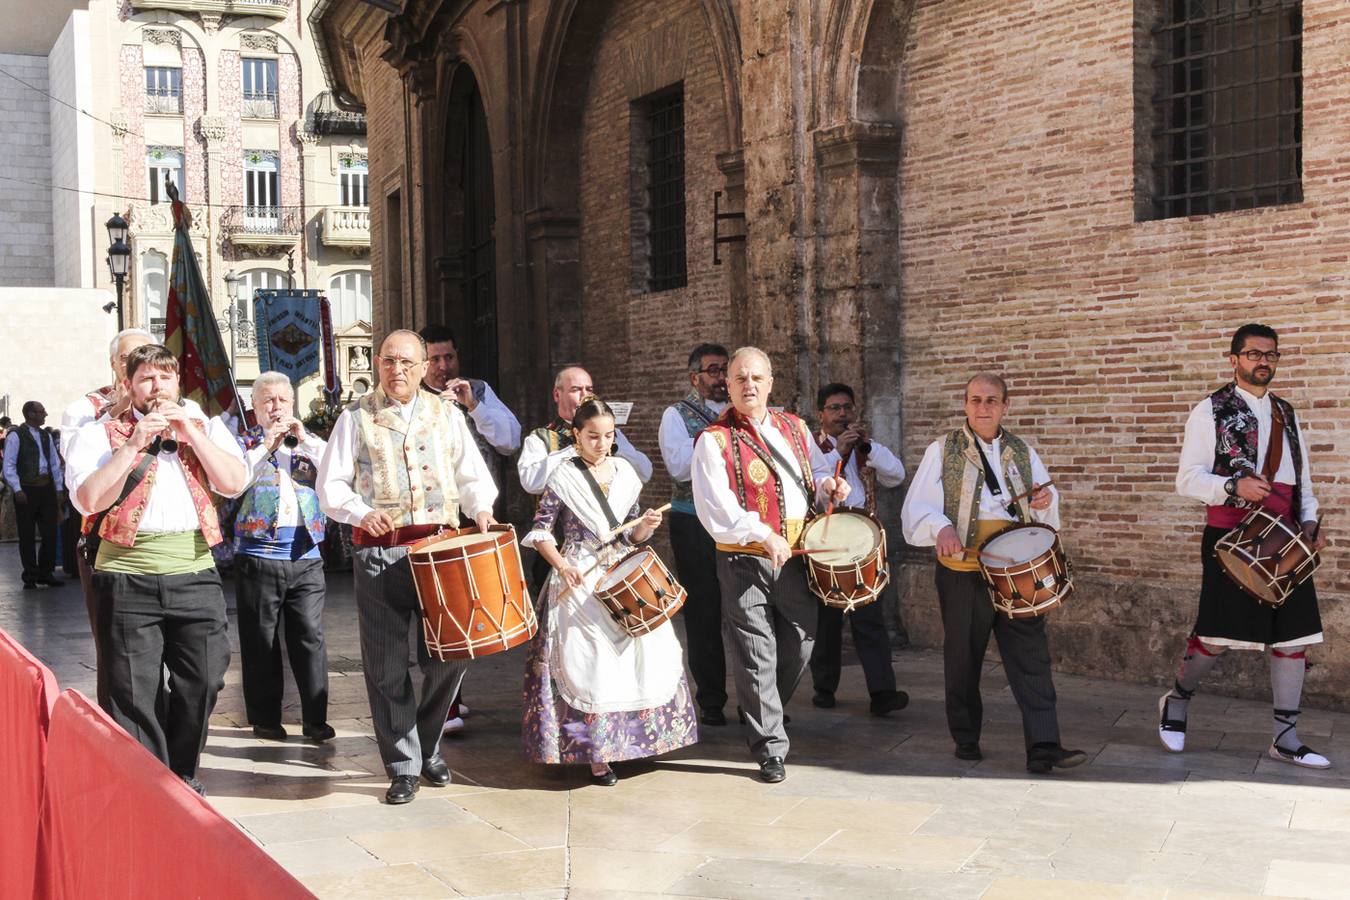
(117, 824)
(27, 692)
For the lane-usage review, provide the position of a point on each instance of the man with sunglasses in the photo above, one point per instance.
(695, 553)
(400, 466)
(1244, 449)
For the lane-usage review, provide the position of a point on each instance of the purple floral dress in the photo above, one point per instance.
(555, 732)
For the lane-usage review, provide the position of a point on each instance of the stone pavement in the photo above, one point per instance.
(871, 807)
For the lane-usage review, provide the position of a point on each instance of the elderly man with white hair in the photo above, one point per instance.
(277, 533)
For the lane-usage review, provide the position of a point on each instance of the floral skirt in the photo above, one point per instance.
(556, 733)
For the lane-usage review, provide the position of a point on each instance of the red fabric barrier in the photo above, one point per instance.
(117, 824)
(27, 692)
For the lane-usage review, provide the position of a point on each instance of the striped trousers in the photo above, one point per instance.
(407, 730)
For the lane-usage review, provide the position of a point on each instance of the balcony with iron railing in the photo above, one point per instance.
(276, 9)
(164, 102)
(259, 105)
(275, 227)
(347, 227)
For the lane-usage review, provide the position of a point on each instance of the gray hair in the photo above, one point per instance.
(751, 351)
(128, 332)
(273, 379)
(990, 378)
(557, 379)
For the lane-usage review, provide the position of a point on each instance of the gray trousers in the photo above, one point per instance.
(967, 619)
(268, 593)
(407, 730)
(769, 624)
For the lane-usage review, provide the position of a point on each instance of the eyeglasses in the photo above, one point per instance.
(839, 407)
(1272, 356)
(714, 371)
(403, 365)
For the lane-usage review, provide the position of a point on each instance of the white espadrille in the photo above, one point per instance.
(1171, 732)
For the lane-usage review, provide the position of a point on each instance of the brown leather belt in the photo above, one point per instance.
(399, 537)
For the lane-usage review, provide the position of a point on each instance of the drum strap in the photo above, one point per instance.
(599, 494)
(990, 479)
(698, 411)
(1275, 448)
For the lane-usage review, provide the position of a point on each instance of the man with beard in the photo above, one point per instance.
(144, 480)
(1244, 449)
(695, 554)
(32, 468)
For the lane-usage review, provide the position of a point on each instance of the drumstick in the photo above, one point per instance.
(829, 507)
(989, 556)
(806, 551)
(1034, 488)
(627, 525)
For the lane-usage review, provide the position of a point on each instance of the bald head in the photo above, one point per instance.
(403, 335)
(570, 388)
(402, 362)
(749, 382)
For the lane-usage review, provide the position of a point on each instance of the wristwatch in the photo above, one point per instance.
(1231, 485)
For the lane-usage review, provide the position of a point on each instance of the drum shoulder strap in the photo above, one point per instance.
(595, 490)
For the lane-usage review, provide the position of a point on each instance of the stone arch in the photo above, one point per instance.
(863, 50)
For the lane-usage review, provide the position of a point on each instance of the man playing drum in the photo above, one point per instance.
(962, 495)
(867, 464)
(695, 555)
(1243, 450)
(756, 474)
(399, 467)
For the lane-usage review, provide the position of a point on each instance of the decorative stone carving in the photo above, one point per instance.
(210, 21)
(304, 132)
(119, 122)
(171, 36)
(258, 41)
(213, 129)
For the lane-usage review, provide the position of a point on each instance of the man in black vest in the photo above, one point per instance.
(33, 473)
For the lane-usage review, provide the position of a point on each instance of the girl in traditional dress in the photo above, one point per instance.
(593, 693)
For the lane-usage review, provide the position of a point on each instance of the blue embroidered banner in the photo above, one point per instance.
(290, 332)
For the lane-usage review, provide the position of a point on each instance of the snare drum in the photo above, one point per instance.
(639, 592)
(1267, 556)
(472, 591)
(846, 558)
(1025, 570)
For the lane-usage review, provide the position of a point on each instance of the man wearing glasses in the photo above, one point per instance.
(867, 464)
(1244, 449)
(400, 466)
(695, 553)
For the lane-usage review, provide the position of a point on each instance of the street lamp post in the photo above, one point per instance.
(232, 322)
(119, 260)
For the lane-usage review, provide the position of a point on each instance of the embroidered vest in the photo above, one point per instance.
(29, 461)
(963, 478)
(556, 435)
(120, 524)
(407, 469)
(257, 516)
(100, 399)
(866, 474)
(750, 467)
(1235, 438)
(696, 417)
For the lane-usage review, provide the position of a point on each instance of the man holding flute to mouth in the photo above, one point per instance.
(145, 480)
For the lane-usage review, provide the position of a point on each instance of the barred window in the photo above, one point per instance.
(664, 125)
(1228, 109)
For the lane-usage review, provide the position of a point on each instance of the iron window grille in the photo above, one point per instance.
(1229, 107)
(665, 191)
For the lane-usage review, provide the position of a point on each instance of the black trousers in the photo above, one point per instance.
(70, 542)
(696, 567)
(967, 619)
(275, 597)
(870, 640)
(154, 622)
(37, 517)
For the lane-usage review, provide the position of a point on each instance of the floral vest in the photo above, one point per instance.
(1235, 438)
(963, 478)
(120, 524)
(100, 399)
(556, 435)
(750, 466)
(407, 469)
(866, 474)
(257, 516)
(696, 417)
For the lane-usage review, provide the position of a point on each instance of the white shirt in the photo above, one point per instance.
(45, 466)
(923, 514)
(77, 414)
(337, 473)
(715, 500)
(496, 423)
(890, 471)
(677, 447)
(1195, 471)
(260, 462)
(536, 464)
(170, 507)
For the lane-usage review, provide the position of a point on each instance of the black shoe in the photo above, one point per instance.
(30, 585)
(609, 779)
(401, 790)
(436, 772)
(1041, 758)
(711, 716)
(888, 701)
(969, 750)
(194, 784)
(269, 732)
(771, 770)
(823, 699)
(740, 714)
(319, 733)
(51, 581)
